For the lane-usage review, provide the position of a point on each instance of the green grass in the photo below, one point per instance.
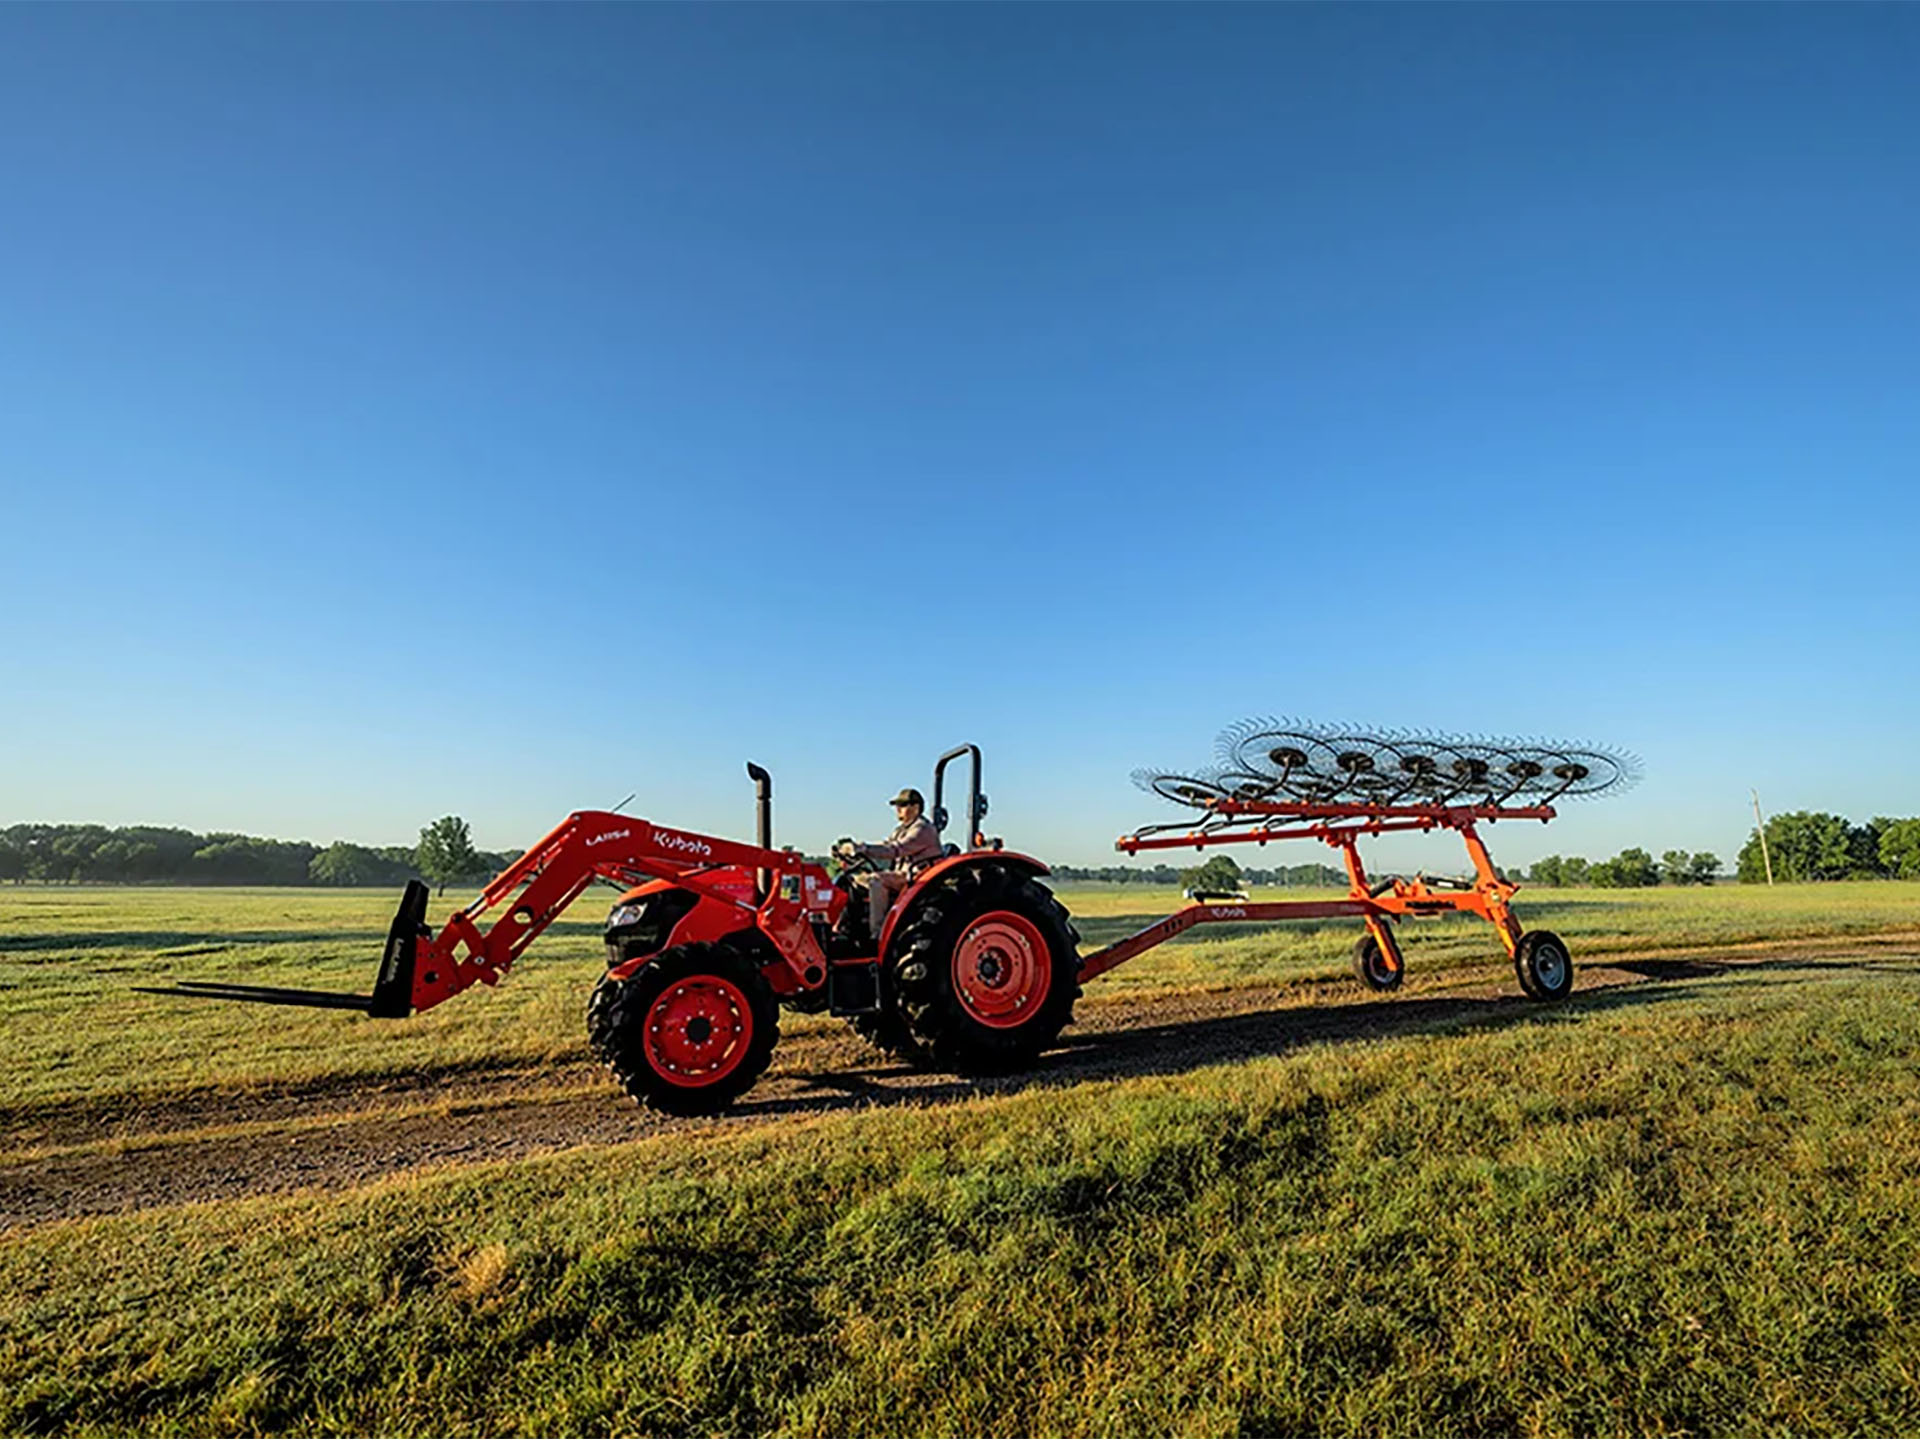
(1679, 1207)
(1675, 1208)
(82, 1037)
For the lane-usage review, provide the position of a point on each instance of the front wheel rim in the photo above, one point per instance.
(1001, 974)
(1549, 966)
(698, 1031)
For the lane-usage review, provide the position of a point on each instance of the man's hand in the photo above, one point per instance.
(845, 848)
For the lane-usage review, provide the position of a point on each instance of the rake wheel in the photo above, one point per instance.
(1269, 760)
(1377, 969)
(1544, 965)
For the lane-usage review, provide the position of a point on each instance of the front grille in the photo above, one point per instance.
(648, 932)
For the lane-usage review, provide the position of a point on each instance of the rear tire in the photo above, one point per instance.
(985, 970)
(1544, 965)
(689, 1032)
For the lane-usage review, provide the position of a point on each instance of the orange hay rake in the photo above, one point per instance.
(1377, 957)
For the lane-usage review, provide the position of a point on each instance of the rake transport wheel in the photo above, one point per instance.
(689, 1032)
(1377, 969)
(1544, 966)
(986, 969)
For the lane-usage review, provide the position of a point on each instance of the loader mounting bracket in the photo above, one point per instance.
(393, 986)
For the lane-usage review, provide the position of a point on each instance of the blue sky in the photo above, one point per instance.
(498, 410)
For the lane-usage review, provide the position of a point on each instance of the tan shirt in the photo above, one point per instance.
(909, 847)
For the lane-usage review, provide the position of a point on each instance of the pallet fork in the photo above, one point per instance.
(392, 985)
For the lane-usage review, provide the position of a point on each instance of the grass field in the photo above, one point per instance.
(81, 1034)
(1681, 1206)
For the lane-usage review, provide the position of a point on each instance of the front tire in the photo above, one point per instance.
(689, 1032)
(1544, 965)
(986, 969)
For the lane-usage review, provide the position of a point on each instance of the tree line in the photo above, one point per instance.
(1631, 869)
(1802, 845)
(161, 855)
(1814, 845)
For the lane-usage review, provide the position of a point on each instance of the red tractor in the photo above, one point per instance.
(712, 937)
(977, 966)
(982, 973)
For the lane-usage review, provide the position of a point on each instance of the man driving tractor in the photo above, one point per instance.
(913, 845)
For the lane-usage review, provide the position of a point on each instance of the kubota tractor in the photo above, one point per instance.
(976, 970)
(981, 971)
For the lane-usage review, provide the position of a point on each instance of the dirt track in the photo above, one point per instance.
(341, 1134)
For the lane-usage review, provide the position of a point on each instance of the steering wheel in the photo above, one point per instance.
(856, 863)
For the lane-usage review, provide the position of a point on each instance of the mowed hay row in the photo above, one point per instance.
(1680, 1207)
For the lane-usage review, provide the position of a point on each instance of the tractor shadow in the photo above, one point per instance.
(1182, 1046)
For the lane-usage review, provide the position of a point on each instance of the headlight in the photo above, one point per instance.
(625, 915)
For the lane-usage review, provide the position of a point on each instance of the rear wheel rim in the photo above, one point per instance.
(1549, 966)
(698, 1031)
(1000, 971)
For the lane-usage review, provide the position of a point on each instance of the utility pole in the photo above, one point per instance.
(1760, 826)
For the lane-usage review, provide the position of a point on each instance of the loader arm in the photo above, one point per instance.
(480, 941)
(536, 889)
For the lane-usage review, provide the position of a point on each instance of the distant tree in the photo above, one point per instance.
(1676, 868)
(1631, 869)
(112, 861)
(1547, 871)
(13, 860)
(1900, 849)
(1703, 867)
(1863, 845)
(73, 851)
(445, 853)
(1221, 872)
(344, 864)
(1636, 868)
(1574, 870)
(250, 860)
(1804, 845)
(35, 844)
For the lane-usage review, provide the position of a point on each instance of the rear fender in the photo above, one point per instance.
(953, 864)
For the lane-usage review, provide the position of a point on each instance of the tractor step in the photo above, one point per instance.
(392, 997)
(854, 989)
